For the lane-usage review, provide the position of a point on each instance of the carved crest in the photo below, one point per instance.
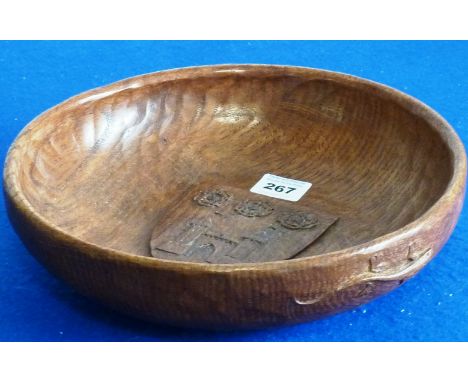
(228, 225)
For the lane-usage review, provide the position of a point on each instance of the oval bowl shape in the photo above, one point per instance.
(138, 193)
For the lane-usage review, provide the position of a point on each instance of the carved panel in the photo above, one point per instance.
(229, 225)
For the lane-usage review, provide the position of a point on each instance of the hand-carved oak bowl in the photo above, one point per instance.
(138, 193)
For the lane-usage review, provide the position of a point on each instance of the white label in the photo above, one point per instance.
(281, 188)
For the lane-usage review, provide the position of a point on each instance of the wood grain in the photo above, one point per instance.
(91, 183)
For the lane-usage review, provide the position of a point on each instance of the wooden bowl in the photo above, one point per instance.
(139, 193)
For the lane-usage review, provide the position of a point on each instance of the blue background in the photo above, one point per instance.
(37, 75)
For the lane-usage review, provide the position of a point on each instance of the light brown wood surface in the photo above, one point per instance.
(99, 186)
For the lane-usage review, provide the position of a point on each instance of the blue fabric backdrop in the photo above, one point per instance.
(37, 75)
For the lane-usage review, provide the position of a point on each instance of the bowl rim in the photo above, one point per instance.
(454, 188)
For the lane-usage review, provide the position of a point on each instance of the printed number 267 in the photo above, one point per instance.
(274, 187)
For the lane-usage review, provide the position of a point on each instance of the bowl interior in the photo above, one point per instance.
(110, 168)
